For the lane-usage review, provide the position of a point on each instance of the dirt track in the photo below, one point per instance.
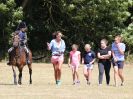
(43, 86)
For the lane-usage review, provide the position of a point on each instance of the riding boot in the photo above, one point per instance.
(9, 62)
(28, 58)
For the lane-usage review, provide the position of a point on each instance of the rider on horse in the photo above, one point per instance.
(22, 39)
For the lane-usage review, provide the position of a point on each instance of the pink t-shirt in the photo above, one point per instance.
(75, 57)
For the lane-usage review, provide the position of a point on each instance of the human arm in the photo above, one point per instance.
(100, 56)
(114, 57)
(121, 48)
(92, 62)
(79, 57)
(49, 45)
(94, 57)
(107, 56)
(62, 50)
(69, 60)
(82, 60)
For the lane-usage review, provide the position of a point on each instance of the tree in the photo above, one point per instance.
(9, 17)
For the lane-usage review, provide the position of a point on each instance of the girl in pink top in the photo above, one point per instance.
(74, 62)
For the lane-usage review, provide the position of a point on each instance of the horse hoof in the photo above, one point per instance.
(30, 82)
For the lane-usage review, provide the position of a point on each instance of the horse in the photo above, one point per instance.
(18, 59)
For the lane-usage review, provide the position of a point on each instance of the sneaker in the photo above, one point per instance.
(99, 84)
(78, 82)
(88, 83)
(73, 83)
(58, 83)
(122, 84)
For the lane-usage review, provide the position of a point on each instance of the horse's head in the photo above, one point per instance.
(15, 41)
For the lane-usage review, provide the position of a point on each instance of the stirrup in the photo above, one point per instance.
(28, 61)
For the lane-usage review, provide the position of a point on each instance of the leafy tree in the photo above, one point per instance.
(9, 17)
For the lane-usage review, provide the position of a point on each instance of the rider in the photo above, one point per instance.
(23, 41)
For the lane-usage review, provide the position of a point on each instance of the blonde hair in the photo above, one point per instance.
(87, 46)
(105, 41)
(75, 45)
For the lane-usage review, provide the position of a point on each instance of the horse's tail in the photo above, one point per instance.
(39, 57)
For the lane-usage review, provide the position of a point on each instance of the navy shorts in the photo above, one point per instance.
(119, 64)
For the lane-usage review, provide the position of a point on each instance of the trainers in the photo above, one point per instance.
(99, 84)
(58, 83)
(78, 82)
(73, 83)
(122, 84)
(88, 83)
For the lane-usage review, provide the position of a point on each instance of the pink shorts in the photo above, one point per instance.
(74, 65)
(55, 59)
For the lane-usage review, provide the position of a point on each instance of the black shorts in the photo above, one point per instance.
(119, 64)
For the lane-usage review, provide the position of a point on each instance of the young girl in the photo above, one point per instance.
(74, 62)
(88, 61)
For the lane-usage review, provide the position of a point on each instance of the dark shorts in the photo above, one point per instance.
(119, 64)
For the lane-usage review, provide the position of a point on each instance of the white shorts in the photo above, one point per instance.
(88, 66)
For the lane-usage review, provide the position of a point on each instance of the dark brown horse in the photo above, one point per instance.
(18, 59)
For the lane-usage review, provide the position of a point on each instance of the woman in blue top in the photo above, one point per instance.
(118, 49)
(57, 46)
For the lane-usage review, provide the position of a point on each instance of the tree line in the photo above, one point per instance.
(81, 22)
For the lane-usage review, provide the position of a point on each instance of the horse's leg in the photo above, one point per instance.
(14, 75)
(20, 75)
(30, 72)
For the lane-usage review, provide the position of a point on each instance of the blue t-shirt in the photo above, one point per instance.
(89, 56)
(57, 50)
(22, 36)
(118, 55)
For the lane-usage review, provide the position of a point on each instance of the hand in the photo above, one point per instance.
(117, 45)
(90, 63)
(69, 65)
(48, 44)
(102, 57)
(115, 59)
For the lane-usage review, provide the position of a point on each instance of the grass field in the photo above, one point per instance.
(44, 87)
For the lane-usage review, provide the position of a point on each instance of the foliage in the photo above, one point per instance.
(81, 21)
(9, 17)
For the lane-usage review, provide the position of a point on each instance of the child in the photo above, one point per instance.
(88, 61)
(74, 62)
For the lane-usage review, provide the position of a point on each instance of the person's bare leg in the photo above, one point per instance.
(76, 73)
(89, 75)
(116, 75)
(86, 74)
(55, 71)
(59, 66)
(120, 72)
(73, 74)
